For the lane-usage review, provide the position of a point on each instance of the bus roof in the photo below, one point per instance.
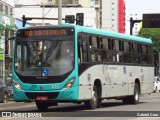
(99, 32)
(113, 34)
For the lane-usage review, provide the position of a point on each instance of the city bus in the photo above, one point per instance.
(77, 64)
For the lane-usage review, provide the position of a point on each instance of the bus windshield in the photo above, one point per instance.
(44, 56)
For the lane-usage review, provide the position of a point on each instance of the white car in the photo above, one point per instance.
(156, 84)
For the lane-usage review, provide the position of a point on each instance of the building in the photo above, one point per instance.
(7, 27)
(48, 9)
(105, 14)
(112, 15)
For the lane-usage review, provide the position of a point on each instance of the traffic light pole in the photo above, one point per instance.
(79, 20)
(59, 12)
(25, 19)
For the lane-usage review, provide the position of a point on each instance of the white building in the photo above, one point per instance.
(34, 8)
(104, 14)
(112, 15)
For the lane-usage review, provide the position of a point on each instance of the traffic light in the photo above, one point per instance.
(79, 19)
(69, 18)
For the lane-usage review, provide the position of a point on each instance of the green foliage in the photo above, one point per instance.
(154, 34)
(1, 56)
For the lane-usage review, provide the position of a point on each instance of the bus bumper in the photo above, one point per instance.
(70, 94)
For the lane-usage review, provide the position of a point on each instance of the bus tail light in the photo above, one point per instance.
(16, 84)
(70, 83)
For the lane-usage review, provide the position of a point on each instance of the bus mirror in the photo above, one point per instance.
(11, 38)
(84, 46)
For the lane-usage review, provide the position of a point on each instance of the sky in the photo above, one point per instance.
(140, 7)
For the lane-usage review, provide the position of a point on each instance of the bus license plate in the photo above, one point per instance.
(42, 98)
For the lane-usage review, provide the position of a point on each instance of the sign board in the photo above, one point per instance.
(151, 21)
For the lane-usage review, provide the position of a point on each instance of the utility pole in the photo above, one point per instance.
(43, 13)
(4, 67)
(97, 17)
(59, 12)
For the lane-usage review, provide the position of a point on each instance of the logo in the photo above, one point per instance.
(41, 87)
(45, 72)
(6, 114)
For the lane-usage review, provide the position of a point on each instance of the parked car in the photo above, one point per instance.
(156, 84)
(3, 92)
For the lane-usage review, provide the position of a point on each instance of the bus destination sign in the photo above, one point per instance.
(48, 32)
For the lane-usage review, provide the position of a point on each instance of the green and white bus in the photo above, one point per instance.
(68, 63)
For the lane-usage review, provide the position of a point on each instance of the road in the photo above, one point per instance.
(147, 109)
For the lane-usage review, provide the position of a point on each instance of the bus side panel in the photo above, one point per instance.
(146, 81)
(135, 75)
(85, 85)
(87, 78)
(151, 78)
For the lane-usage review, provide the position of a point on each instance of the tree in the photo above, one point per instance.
(154, 34)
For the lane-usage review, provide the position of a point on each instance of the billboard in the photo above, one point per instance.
(151, 20)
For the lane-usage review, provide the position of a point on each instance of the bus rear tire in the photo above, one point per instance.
(41, 106)
(135, 98)
(93, 103)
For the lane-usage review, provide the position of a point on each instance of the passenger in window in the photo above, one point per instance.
(99, 57)
(38, 62)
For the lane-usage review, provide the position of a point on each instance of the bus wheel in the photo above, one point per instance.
(135, 98)
(41, 106)
(92, 104)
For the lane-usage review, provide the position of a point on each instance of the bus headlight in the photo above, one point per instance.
(70, 83)
(16, 84)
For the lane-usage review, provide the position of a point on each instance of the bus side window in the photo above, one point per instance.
(110, 44)
(82, 50)
(121, 50)
(93, 48)
(127, 53)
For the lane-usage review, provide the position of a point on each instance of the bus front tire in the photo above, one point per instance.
(93, 103)
(41, 106)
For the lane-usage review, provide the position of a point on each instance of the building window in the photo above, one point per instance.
(11, 11)
(5, 9)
